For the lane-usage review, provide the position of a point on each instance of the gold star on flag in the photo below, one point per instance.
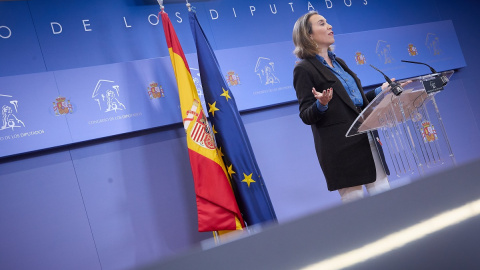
(248, 179)
(213, 129)
(220, 152)
(230, 170)
(225, 94)
(213, 108)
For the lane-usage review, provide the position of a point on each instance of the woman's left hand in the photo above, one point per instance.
(386, 86)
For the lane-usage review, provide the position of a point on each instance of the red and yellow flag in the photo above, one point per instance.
(216, 205)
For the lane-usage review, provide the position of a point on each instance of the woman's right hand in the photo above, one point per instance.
(323, 97)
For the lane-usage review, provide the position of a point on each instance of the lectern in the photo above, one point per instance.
(411, 124)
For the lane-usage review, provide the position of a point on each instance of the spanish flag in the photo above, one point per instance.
(216, 205)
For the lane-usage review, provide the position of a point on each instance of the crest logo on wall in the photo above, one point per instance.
(429, 134)
(9, 107)
(412, 50)
(107, 95)
(265, 69)
(232, 78)
(383, 51)
(155, 91)
(360, 58)
(433, 44)
(61, 107)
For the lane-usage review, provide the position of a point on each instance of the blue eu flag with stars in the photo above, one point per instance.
(230, 135)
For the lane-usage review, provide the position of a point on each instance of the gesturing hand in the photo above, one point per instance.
(323, 97)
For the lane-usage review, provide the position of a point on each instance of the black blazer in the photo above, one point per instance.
(345, 162)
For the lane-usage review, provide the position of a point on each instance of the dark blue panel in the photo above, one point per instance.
(139, 197)
(263, 74)
(89, 33)
(110, 44)
(29, 119)
(434, 43)
(19, 48)
(247, 23)
(406, 228)
(363, 15)
(117, 98)
(250, 64)
(459, 119)
(43, 222)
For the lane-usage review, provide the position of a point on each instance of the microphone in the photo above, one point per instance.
(395, 87)
(442, 77)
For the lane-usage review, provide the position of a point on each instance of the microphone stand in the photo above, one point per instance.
(395, 87)
(442, 77)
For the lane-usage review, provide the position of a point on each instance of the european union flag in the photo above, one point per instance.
(230, 135)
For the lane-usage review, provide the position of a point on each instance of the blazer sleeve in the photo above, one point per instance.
(303, 82)
(370, 95)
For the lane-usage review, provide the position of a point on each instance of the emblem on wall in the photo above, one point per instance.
(60, 106)
(155, 91)
(9, 113)
(429, 134)
(383, 51)
(107, 95)
(265, 69)
(360, 58)
(412, 50)
(433, 44)
(232, 78)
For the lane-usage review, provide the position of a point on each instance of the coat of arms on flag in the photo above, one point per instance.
(201, 132)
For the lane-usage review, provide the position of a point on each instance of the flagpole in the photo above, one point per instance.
(160, 3)
(216, 238)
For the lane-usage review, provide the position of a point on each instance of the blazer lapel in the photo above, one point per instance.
(357, 81)
(338, 87)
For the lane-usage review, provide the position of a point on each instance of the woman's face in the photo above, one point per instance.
(322, 32)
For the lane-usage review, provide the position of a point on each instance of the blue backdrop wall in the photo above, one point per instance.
(116, 191)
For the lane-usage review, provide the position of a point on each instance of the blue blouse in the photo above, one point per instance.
(347, 81)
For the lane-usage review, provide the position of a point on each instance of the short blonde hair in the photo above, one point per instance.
(305, 47)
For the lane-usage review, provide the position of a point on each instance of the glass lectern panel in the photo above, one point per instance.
(387, 110)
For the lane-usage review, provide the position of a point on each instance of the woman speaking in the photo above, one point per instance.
(330, 98)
